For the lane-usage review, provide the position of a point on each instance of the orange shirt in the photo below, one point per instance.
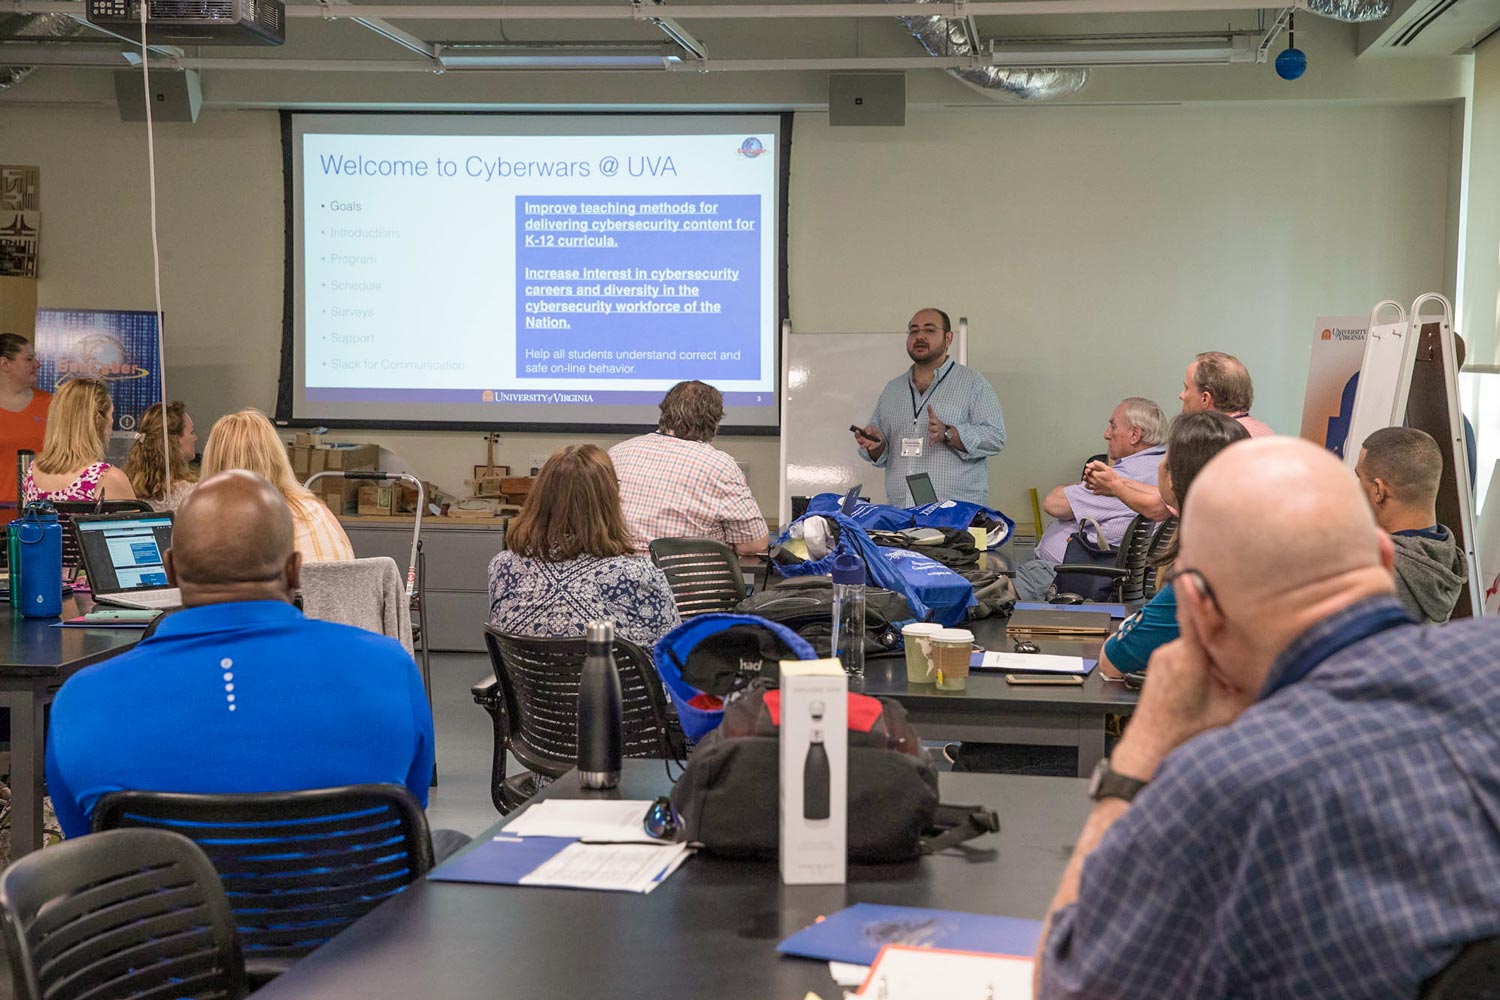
(20, 429)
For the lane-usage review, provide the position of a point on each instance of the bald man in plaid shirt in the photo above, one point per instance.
(674, 484)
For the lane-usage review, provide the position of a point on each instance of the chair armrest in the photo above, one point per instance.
(486, 692)
(1108, 572)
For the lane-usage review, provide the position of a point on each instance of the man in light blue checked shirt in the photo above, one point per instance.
(1306, 803)
(937, 417)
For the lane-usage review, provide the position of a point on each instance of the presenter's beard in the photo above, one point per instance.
(922, 355)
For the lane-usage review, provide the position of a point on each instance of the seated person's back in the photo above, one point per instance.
(71, 465)
(238, 692)
(1400, 469)
(675, 484)
(569, 559)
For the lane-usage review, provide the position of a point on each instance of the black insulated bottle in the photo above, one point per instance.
(815, 778)
(600, 736)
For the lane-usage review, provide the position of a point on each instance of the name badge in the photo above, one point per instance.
(911, 447)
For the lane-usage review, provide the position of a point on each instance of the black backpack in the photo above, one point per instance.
(729, 795)
(804, 604)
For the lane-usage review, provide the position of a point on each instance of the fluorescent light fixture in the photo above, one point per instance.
(1063, 54)
(555, 60)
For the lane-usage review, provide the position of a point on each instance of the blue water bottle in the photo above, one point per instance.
(38, 539)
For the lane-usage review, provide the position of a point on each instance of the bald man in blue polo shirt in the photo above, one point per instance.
(238, 692)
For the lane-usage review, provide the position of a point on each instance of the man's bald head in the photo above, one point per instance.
(232, 537)
(1274, 516)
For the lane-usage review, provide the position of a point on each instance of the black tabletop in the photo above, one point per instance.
(33, 647)
(887, 676)
(709, 931)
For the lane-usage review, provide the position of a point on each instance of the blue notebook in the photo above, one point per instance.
(1115, 610)
(857, 933)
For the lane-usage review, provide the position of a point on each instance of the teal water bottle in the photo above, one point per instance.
(38, 537)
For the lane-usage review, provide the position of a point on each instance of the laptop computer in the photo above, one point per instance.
(851, 499)
(122, 555)
(920, 486)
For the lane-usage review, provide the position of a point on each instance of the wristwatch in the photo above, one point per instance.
(947, 433)
(1108, 784)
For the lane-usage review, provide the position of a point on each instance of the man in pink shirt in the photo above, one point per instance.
(1214, 381)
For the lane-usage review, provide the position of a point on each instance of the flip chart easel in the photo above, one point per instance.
(1411, 379)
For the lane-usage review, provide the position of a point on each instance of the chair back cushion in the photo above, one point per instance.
(704, 574)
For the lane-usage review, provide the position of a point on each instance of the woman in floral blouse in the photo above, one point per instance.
(569, 559)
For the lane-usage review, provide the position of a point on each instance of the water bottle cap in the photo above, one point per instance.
(602, 631)
(848, 568)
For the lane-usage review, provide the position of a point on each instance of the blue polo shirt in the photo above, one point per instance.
(248, 696)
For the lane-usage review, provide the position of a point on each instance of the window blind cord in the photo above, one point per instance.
(161, 353)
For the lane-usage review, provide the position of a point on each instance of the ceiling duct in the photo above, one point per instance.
(942, 36)
(1351, 10)
(32, 27)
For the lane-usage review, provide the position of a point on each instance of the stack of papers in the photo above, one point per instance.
(571, 845)
(857, 933)
(1032, 663)
(902, 973)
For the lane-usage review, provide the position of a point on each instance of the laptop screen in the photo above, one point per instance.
(123, 554)
(922, 493)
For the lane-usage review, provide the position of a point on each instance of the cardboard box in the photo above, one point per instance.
(388, 499)
(814, 772)
(308, 460)
(517, 486)
(341, 495)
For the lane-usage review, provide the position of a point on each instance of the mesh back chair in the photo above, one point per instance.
(298, 866)
(704, 574)
(126, 915)
(533, 701)
(1127, 576)
(1160, 542)
(1473, 975)
(69, 509)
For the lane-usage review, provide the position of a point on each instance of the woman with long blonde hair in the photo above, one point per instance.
(247, 440)
(71, 465)
(569, 559)
(145, 466)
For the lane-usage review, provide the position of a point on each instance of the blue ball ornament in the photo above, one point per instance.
(1291, 64)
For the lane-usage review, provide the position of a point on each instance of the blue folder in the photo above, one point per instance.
(501, 861)
(857, 933)
(1115, 610)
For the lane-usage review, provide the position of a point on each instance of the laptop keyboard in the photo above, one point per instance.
(170, 598)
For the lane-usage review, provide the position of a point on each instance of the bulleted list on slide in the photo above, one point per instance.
(561, 263)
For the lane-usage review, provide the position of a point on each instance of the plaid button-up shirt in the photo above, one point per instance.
(671, 488)
(1341, 839)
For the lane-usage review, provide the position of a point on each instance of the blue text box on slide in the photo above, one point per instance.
(628, 313)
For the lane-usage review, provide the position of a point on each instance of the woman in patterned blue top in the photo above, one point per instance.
(569, 559)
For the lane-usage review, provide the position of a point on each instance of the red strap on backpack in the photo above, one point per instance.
(863, 710)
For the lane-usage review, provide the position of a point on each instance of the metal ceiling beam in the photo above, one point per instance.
(261, 63)
(688, 12)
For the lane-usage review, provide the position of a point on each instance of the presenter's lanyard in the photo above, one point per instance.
(916, 404)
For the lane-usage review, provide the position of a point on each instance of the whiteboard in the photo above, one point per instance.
(829, 381)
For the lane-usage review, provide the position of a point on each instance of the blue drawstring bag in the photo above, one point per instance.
(709, 657)
(870, 516)
(934, 592)
(963, 514)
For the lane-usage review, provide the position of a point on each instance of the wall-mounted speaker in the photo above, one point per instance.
(176, 95)
(867, 98)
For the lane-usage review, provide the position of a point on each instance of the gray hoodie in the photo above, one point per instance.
(1429, 574)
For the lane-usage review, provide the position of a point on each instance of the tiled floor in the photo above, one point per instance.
(465, 741)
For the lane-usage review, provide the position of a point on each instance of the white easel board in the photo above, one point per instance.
(828, 382)
(1384, 382)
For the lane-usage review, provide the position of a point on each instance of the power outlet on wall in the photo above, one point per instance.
(535, 464)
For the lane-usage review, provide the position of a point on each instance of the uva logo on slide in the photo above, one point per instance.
(488, 396)
(751, 147)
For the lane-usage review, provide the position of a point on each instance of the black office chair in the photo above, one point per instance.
(1126, 576)
(1161, 541)
(298, 866)
(704, 574)
(125, 914)
(72, 548)
(533, 700)
(1473, 975)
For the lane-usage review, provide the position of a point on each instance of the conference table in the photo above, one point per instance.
(710, 930)
(991, 710)
(35, 659)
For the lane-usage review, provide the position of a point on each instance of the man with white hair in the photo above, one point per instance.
(1134, 437)
(1306, 801)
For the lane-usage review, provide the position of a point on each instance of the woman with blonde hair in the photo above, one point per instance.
(71, 465)
(247, 440)
(144, 465)
(569, 559)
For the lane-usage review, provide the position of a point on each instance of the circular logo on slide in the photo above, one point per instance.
(488, 396)
(98, 355)
(751, 147)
